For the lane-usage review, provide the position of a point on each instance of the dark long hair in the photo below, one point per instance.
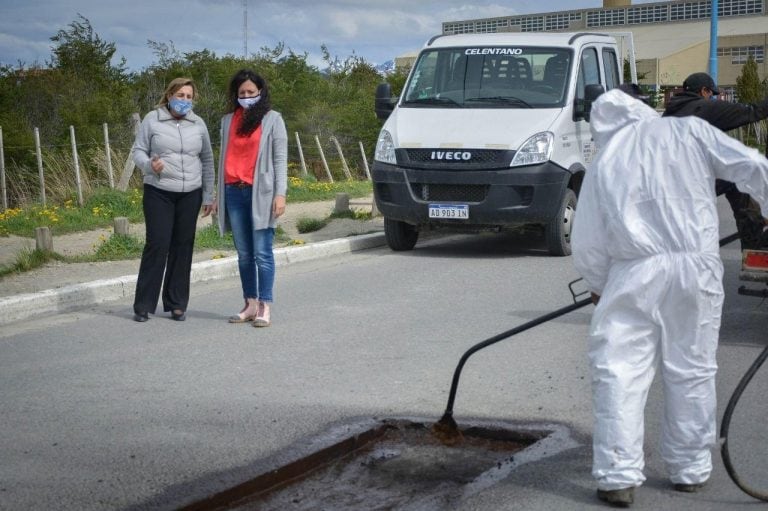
(253, 116)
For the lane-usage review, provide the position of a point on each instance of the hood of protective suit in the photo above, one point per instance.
(613, 111)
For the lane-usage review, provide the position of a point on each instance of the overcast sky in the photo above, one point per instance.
(375, 30)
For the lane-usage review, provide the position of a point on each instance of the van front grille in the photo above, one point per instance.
(450, 193)
(455, 159)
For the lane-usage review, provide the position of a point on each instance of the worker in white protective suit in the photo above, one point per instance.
(646, 242)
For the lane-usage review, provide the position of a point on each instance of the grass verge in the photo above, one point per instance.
(27, 260)
(104, 204)
(307, 224)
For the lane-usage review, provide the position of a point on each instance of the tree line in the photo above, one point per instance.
(81, 86)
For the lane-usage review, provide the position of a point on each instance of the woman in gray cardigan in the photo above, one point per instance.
(173, 151)
(253, 175)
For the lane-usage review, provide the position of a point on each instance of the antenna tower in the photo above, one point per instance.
(245, 29)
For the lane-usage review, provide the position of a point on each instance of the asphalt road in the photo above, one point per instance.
(99, 412)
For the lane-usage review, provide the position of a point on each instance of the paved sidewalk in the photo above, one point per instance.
(58, 287)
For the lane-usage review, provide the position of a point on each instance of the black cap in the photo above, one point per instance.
(698, 81)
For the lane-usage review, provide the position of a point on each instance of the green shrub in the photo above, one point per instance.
(27, 260)
(118, 247)
(305, 224)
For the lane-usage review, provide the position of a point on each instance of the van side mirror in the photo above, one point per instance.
(385, 103)
(583, 107)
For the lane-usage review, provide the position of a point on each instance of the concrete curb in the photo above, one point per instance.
(23, 306)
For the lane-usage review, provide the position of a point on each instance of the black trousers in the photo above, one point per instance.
(746, 213)
(171, 220)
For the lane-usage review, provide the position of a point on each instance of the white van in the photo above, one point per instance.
(491, 131)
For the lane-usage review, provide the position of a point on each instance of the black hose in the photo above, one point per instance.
(732, 405)
(727, 422)
(526, 326)
(448, 415)
(501, 337)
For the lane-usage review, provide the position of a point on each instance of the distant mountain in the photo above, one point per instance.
(337, 66)
(386, 68)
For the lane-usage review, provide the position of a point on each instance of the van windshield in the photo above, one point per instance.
(489, 77)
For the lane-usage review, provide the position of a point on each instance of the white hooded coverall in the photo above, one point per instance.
(645, 238)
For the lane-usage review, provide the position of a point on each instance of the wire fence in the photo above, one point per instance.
(84, 166)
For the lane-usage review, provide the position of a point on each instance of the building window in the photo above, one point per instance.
(698, 10)
(491, 25)
(740, 54)
(653, 13)
(739, 7)
(650, 14)
(458, 28)
(606, 17)
(560, 21)
(532, 24)
(690, 11)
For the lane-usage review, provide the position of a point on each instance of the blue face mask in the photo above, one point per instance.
(248, 102)
(180, 106)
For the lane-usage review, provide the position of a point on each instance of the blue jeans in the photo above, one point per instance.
(255, 259)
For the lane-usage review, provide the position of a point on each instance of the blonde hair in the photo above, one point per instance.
(174, 86)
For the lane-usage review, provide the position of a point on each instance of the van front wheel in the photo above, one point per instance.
(558, 231)
(400, 235)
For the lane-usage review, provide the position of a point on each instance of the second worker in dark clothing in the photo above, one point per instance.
(696, 100)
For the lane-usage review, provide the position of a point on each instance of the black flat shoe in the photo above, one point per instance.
(690, 488)
(141, 317)
(623, 497)
(178, 315)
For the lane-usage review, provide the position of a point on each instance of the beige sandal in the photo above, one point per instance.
(245, 318)
(262, 316)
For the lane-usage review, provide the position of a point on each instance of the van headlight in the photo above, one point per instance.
(537, 149)
(385, 148)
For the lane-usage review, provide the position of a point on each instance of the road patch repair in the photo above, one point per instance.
(393, 464)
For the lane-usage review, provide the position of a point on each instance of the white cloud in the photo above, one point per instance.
(374, 30)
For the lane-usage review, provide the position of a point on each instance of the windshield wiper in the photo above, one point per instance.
(432, 100)
(512, 100)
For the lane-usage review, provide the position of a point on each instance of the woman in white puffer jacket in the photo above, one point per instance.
(173, 151)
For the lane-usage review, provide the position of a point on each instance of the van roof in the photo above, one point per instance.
(559, 39)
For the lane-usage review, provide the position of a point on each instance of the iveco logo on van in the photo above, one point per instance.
(451, 155)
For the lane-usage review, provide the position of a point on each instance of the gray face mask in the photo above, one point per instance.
(248, 102)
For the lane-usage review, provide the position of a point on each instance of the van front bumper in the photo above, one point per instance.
(496, 198)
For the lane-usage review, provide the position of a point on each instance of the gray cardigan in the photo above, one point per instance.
(270, 176)
(183, 144)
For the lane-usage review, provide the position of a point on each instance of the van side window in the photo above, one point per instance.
(612, 76)
(589, 71)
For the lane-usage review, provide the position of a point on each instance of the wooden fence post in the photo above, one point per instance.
(39, 154)
(121, 225)
(2, 173)
(78, 182)
(342, 203)
(301, 156)
(322, 157)
(108, 154)
(365, 161)
(129, 165)
(344, 166)
(43, 239)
